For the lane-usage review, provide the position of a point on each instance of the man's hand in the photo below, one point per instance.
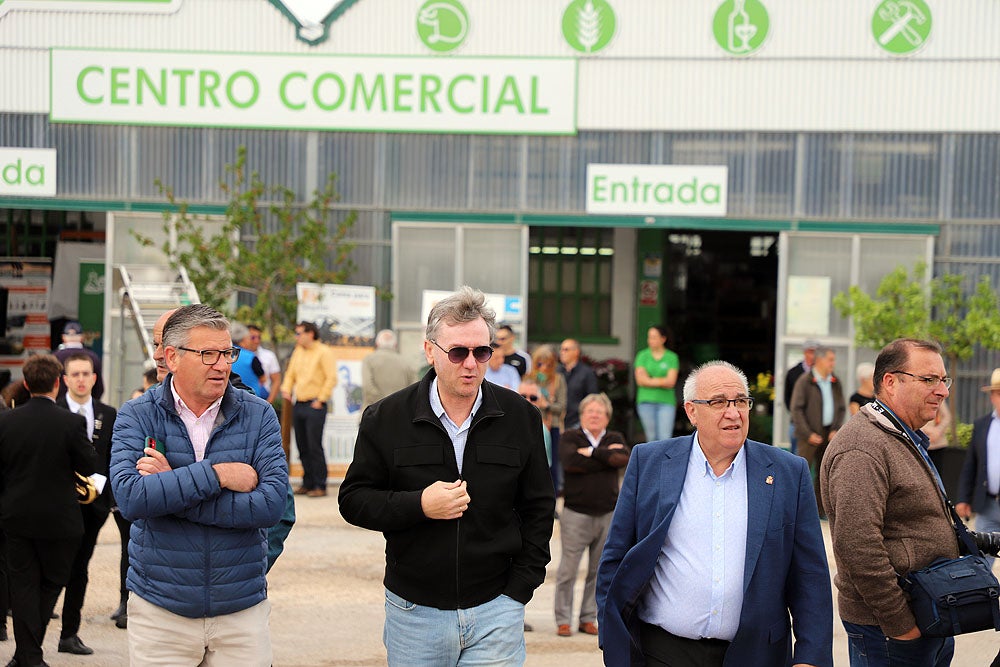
(287, 395)
(585, 451)
(964, 510)
(152, 463)
(912, 633)
(815, 439)
(445, 500)
(235, 476)
(830, 436)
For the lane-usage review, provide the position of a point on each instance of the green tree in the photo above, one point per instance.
(285, 243)
(906, 306)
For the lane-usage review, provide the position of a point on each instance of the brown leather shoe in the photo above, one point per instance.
(316, 493)
(564, 631)
(301, 491)
(588, 628)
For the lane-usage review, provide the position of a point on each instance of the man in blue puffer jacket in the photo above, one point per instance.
(197, 466)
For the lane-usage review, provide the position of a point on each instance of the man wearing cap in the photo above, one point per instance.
(793, 374)
(72, 342)
(980, 481)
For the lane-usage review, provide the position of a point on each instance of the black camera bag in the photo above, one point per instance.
(954, 596)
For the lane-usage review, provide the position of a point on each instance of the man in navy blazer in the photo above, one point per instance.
(977, 488)
(713, 546)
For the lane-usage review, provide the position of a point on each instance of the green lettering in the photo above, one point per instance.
(35, 175)
(377, 91)
(486, 93)
(119, 85)
(231, 85)
(452, 102)
(144, 81)
(663, 193)
(283, 91)
(398, 92)
(535, 108)
(509, 96)
(619, 190)
(711, 193)
(79, 85)
(429, 92)
(635, 188)
(600, 188)
(182, 75)
(208, 82)
(335, 78)
(688, 192)
(12, 173)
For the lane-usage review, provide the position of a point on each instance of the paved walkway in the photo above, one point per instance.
(326, 593)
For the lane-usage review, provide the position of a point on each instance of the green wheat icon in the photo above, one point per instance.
(588, 25)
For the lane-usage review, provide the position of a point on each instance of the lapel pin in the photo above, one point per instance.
(769, 480)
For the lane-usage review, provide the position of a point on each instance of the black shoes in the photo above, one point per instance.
(74, 645)
(122, 621)
(122, 609)
(3, 632)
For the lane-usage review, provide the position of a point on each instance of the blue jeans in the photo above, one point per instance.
(419, 636)
(869, 647)
(657, 420)
(988, 520)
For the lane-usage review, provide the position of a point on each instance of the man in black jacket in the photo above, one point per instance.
(41, 446)
(453, 471)
(79, 377)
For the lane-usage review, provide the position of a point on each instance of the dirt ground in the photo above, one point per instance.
(327, 605)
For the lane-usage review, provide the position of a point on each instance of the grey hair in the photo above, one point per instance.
(691, 383)
(465, 305)
(385, 338)
(865, 371)
(238, 331)
(822, 351)
(177, 329)
(601, 398)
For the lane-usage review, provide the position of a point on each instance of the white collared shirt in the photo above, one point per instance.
(199, 428)
(696, 590)
(993, 456)
(86, 409)
(459, 433)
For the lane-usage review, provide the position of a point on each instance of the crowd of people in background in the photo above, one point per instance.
(846, 465)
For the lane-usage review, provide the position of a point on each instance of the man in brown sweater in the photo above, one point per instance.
(591, 458)
(886, 507)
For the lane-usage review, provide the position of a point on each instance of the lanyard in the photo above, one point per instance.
(879, 408)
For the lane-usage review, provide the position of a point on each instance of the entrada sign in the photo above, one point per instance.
(28, 172)
(377, 93)
(643, 189)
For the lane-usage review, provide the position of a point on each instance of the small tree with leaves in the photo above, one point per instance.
(905, 306)
(304, 243)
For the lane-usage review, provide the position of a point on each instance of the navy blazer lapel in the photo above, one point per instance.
(673, 470)
(760, 496)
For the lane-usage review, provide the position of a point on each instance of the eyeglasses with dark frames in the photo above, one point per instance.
(211, 357)
(457, 355)
(741, 403)
(931, 381)
(531, 397)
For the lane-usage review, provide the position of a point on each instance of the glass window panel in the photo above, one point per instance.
(568, 274)
(823, 256)
(427, 263)
(492, 259)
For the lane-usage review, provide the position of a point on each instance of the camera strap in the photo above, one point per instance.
(965, 541)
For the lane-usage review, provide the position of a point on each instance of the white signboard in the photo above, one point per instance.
(808, 312)
(642, 189)
(377, 93)
(508, 309)
(28, 172)
(344, 314)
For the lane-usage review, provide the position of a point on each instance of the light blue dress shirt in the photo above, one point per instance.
(458, 433)
(697, 586)
(826, 391)
(993, 457)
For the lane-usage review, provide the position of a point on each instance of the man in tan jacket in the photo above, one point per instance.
(886, 507)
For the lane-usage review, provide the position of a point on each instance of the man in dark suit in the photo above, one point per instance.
(715, 540)
(79, 377)
(41, 447)
(979, 484)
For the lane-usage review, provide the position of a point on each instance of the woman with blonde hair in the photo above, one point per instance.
(552, 401)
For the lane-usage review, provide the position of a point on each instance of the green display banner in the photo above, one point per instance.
(91, 301)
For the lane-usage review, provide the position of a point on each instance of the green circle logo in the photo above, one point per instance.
(901, 26)
(588, 25)
(741, 26)
(442, 24)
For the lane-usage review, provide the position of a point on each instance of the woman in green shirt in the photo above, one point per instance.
(655, 376)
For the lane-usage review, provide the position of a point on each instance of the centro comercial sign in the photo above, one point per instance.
(275, 91)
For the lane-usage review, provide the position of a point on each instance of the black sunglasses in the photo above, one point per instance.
(457, 355)
(531, 397)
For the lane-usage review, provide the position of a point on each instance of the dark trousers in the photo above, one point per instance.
(555, 469)
(124, 533)
(76, 587)
(869, 647)
(662, 649)
(4, 589)
(38, 570)
(308, 423)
